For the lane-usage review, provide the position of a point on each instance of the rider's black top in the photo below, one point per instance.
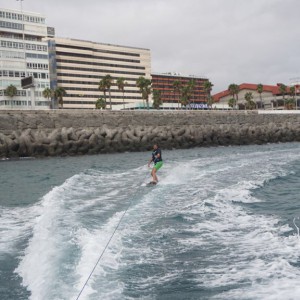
(154, 153)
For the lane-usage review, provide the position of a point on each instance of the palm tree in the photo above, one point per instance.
(156, 99)
(100, 103)
(11, 91)
(210, 101)
(144, 85)
(48, 93)
(176, 88)
(185, 95)
(234, 92)
(108, 82)
(231, 102)
(292, 91)
(121, 86)
(282, 90)
(207, 88)
(250, 103)
(293, 94)
(192, 84)
(59, 94)
(102, 88)
(260, 89)
(296, 101)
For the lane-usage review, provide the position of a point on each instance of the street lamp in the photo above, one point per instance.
(296, 91)
(24, 45)
(23, 34)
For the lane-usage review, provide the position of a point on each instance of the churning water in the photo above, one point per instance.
(221, 224)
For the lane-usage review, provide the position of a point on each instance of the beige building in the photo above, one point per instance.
(78, 66)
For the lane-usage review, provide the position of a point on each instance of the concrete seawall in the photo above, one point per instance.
(77, 132)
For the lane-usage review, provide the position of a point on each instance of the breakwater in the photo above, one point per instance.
(77, 132)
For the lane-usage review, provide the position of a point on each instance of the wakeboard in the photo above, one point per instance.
(152, 183)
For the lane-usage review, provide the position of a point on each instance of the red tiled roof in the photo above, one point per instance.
(274, 89)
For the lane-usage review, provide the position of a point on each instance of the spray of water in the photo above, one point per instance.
(296, 218)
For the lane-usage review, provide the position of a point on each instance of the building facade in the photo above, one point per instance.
(270, 98)
(78, 66)
(164, 83)
(23, 53)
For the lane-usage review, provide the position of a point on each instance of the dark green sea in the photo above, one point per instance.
(223, 223)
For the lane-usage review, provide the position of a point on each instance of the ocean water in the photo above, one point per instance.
(223, 223)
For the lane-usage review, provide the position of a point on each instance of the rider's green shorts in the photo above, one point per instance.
(158, 165)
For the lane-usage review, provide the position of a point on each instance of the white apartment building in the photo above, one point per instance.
(78, 66)
(23, 53)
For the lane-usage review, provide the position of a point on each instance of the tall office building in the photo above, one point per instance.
(78, 66)
(23, 53)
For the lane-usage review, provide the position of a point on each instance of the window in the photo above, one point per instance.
(99, 50)
(100, 70)
(17, 26)
(96, 57)
(65, 60)
(38, 56)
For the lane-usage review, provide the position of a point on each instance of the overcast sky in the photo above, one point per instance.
(228, 41)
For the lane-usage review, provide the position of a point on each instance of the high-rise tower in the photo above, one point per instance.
(23, 53)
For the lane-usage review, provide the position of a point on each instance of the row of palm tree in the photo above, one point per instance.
(234, 92)
(289, 103)
(186, 91)
(58, 93)
(105, 84)
(283, 89)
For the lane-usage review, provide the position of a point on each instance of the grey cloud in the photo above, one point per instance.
(226, 40)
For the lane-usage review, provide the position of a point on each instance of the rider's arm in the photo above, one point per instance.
(158, 153)
(150, 161)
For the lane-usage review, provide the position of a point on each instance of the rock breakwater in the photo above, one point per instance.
(56, 133)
